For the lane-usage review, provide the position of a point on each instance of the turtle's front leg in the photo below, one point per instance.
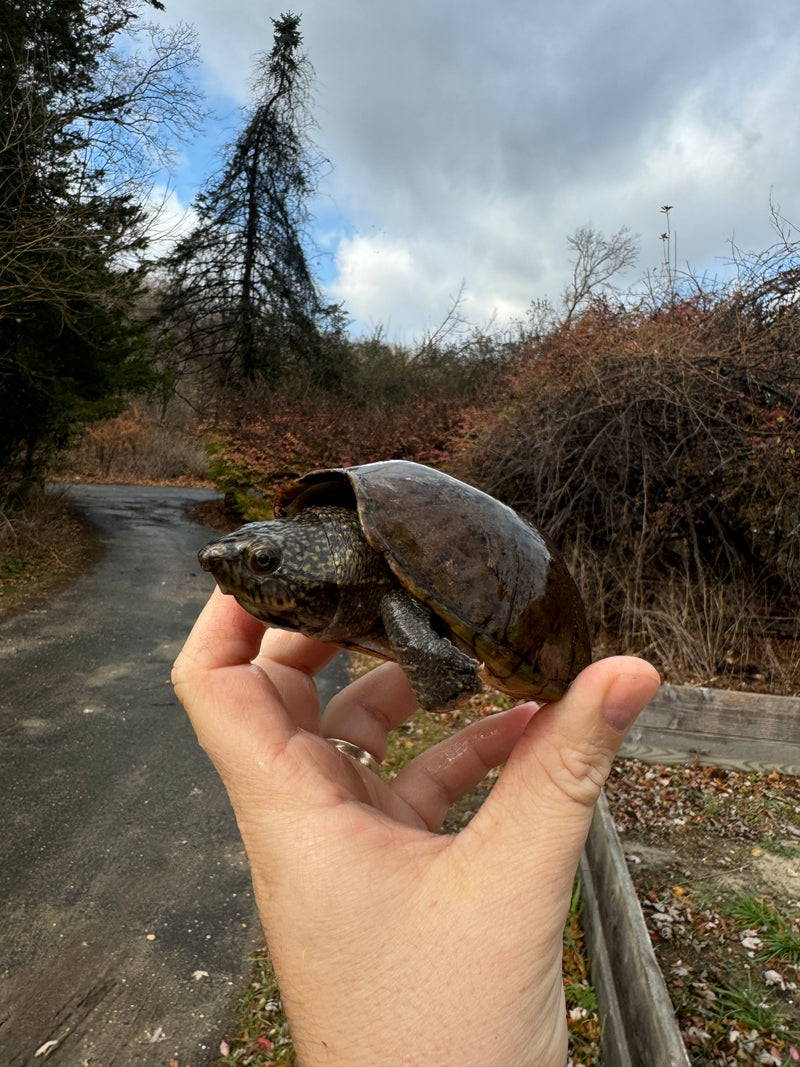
(440, 674)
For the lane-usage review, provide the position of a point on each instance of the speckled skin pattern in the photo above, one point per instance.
(315, 573)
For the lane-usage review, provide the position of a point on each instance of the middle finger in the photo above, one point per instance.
(291, 660)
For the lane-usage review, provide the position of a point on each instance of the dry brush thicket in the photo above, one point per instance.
(392, 404)
(660, 449)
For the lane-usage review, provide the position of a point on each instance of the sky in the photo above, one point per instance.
(467, 139)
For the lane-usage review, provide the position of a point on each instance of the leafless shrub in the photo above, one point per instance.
(141, 446)
(662, 444)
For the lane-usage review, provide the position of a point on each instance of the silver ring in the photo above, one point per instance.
(347, 748)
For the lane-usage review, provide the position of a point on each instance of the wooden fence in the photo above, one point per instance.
(683, 724)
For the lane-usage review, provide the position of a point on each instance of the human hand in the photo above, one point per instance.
(393, 944)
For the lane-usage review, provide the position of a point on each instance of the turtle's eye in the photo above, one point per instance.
(265, 559)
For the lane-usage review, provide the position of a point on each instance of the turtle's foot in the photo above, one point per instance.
(440, 674)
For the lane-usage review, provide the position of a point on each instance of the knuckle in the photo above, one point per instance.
(579, 772)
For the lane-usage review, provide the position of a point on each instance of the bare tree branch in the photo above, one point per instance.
(596, 261)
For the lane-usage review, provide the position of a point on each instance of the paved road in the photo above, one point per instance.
(127, 915)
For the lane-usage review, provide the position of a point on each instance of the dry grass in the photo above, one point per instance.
(142, 445)
(723, 636)
(42, 548)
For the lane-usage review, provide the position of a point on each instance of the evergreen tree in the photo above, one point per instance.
(242, 300)
(72, 229)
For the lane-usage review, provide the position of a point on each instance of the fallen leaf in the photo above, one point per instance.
(46, 1048)
(751, 942)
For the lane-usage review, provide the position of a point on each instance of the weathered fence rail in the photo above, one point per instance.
(745, 731)
(638, 1024)
(683, 724)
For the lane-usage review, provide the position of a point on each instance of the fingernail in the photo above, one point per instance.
(627, 695)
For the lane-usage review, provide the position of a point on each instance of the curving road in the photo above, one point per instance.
(125, 900)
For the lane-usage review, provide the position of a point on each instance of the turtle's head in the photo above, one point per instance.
(284, 572)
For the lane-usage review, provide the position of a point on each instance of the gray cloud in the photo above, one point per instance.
(468, 139)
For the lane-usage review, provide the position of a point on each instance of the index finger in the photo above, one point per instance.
(225, 637)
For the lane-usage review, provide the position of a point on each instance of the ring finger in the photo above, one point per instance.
(369, 708)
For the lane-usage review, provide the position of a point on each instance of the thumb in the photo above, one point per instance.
(542, 803)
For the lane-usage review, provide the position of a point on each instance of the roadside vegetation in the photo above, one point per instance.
(42, 548)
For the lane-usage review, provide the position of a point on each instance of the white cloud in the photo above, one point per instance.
(371, 267)
(170, 219)
(468, 139)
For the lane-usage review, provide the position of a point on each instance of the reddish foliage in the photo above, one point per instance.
(661, 449)
(293, 437)
(111, 437)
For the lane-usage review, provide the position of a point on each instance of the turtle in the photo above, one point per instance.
(405, 562)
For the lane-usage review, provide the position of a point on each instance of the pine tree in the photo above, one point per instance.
(242, 300)
(72, 228)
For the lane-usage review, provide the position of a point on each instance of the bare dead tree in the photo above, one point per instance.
(240, 297)
(596, 260)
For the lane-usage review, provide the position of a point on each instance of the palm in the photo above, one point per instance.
(364, 713)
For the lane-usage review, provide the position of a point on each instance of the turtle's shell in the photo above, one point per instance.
(496, 583)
